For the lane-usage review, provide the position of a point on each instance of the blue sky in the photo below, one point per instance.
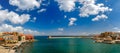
(60, 17)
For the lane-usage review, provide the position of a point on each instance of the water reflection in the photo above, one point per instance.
(70, 46)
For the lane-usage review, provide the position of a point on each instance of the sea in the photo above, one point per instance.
(69, 45)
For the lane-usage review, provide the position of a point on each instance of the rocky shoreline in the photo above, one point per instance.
(17, 48)
(108, 37)
(108, 42)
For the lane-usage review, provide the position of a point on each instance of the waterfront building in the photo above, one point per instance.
(29, 37)
(10, 38)
(1, 40)
(15, 33)
(22, 37)
(14, 37)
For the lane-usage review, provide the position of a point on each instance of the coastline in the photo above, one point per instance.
(11, 42)
(108, 38)
(16, 48)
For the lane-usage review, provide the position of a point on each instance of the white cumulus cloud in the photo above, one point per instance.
(13, 17)
(25, 4)
(72, 20)
(66, 5)
(98, 17)
(87, 8)
(90, 7)
(41, 10)
(10, 28)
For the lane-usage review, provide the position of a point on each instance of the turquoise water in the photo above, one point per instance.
(70, 45)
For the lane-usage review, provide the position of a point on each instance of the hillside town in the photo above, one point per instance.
(108, 37)
(12, 40)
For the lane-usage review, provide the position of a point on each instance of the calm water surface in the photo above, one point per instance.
(70, 45)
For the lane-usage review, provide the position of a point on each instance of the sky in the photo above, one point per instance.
(59, 17)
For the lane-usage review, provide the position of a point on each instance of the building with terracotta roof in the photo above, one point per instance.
(22, 37)
(10, 38)
(1, 40)
(29, 37)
